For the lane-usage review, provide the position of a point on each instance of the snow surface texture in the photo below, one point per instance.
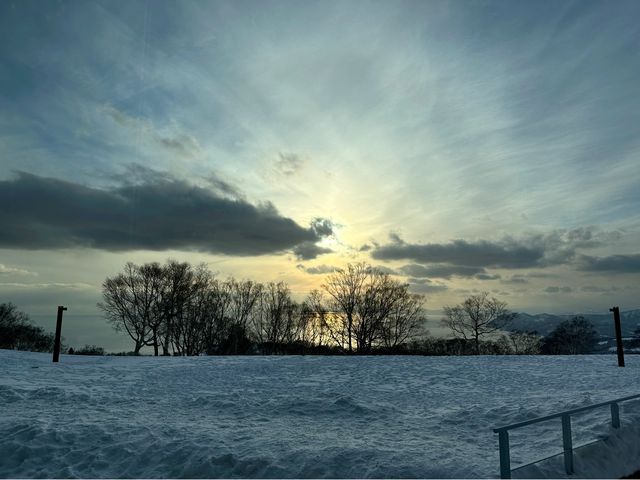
(307, 416)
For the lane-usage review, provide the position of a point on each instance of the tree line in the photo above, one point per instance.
(18, 333)
(180, 309)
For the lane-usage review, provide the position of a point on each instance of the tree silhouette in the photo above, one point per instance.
(571, 337)
(477, 317)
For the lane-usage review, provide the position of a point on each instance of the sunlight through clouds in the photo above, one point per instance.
(492, 126)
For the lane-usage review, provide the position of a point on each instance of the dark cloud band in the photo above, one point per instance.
(613, 263)
(467, 258)
(461, 252)
(159, 214)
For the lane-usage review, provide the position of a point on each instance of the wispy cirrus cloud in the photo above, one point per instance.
(170, 138)
(7, 270)
(288, 163)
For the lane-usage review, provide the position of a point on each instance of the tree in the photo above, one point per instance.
(571, 337)
(176, 289)
(380, 296)
(345, 287)
(219, 325)
(635, 338)
(477, 317)
(313, 319)
(244, 296)
(89, 350)
(369, 308)
(189, 329)
(17, 332)
(130, 303)
(150, 280)
(406, 320)
(525, 343)
(275, 322)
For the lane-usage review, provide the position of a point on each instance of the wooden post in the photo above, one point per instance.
(616, 319)
(505, 460)
(567, 444)
(615, 415)
(56, 344)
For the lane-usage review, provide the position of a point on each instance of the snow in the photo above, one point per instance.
(356, 417)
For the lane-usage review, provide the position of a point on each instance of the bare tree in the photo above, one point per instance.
(406, 320)
(525, 343)
(189, 331)
(178, 280)
(477, 317)
(126, 306)
(275, 321)
(218, 323)
(571, 337)
(244, 296)
(313, 319)
(345, 287)
(151, 282)
(379, 297)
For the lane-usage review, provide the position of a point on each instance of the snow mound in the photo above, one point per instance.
(306, 417)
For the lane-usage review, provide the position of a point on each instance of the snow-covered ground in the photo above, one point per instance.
(306, 416)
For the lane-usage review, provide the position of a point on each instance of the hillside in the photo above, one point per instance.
(544, 323)
(305, 417)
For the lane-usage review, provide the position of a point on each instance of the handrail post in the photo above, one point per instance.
(615, 415)
(567, 444)
(505, 460)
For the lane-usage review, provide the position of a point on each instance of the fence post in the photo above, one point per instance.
(567, 444)
(505, 460)
(615, 415)
(619, 345)
(56, 342)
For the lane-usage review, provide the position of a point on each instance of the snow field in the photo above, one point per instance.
(348, 417)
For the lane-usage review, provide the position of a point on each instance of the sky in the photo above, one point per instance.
(461, 146)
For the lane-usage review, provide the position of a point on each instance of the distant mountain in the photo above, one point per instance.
(544, 323)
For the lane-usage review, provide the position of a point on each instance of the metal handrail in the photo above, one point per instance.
(565, 416)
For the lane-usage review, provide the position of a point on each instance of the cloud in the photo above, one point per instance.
(554, 289)
(171, 139)
(613, 263)
(514, 280)
(461, 252)
(289, 163)
(6, 270)
(224, 188)
(318, 269)
(395, 238)
(534, 250)
(423, 285)
(160, 213)
(487, 276)
(323, 227)
(596, 289)
(383, 269)
(42, 298)
(322, 269)
(309, 250)
(183, 144)
(441, 270)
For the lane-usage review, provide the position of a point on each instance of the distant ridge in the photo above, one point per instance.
(544, 323)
